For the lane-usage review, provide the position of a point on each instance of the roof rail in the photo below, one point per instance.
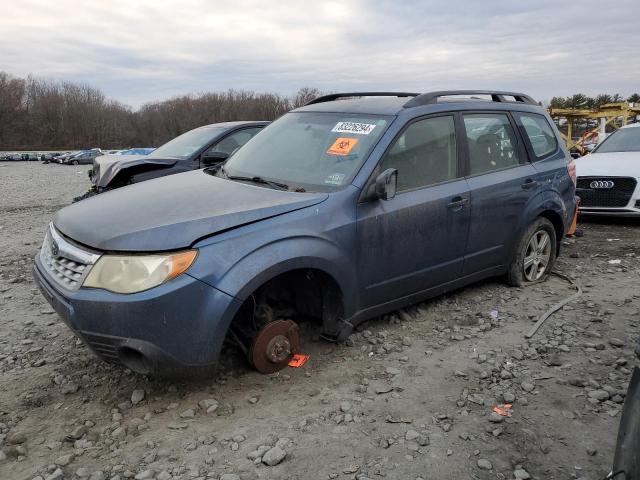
(334, 96)
(496, 96)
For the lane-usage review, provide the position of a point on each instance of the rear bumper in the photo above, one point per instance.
(174, 327)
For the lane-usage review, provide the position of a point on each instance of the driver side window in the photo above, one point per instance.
(234, 141)
(424, 154)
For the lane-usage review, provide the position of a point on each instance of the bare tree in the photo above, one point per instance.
(44, 114)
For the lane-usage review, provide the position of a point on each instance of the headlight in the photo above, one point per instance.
(135, 273)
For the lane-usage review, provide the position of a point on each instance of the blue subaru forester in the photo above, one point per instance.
(349, 207)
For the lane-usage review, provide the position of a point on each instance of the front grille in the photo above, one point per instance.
(65, 263)
(617, 196)
(104, 346)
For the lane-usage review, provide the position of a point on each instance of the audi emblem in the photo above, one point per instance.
(55, 250)
(602, 184)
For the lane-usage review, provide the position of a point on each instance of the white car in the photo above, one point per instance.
(609, 177)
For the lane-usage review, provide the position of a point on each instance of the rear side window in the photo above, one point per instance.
(424, 154)
(540, 134)
(492, 142)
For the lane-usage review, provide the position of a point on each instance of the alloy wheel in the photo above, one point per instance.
(537, 256)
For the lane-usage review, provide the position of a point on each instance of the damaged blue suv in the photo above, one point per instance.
(347, 208)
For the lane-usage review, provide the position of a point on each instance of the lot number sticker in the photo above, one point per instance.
(342, 146)
(354, 127)
(335, 179)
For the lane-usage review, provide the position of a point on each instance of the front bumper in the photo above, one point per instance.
(174, 327)
(625, 204)
(609, 212)
(632, 209)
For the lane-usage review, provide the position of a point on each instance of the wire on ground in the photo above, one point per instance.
(557, 306)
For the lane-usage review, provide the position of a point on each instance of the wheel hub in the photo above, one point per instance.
(278, 349)
(274, 346)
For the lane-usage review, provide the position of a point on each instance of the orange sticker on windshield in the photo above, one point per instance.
(342, 146)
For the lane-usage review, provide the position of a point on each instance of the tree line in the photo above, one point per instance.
(39, 114)
(582, 101)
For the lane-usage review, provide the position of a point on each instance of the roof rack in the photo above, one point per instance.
(496, 96)
(334, 96)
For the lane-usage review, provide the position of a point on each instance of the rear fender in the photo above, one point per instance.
(548, 200)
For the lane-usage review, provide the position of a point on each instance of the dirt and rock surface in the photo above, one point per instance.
(409, 396)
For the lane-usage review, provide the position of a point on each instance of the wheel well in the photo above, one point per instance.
(300, 294)
(558, 225)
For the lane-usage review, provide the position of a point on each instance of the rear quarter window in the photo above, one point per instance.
(539, 134)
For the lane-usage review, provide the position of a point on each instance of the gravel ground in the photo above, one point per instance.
(409, 396)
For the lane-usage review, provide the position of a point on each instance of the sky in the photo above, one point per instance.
(138, 51)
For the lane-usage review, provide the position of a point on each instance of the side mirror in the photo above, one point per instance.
(386, 184)
(213, 158)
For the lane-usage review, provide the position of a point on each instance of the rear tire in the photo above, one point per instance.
(535, 254)
(76, 162)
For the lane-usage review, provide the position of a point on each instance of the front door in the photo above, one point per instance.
(417, 239)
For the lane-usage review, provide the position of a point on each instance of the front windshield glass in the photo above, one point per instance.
(310, 150)
(186, 144)
(623, 140)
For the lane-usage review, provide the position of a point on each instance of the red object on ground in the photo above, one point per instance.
(298, 360)
(574, 222)
(503, 410)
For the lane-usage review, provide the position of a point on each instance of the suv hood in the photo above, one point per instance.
(106, 167)
(614, 164)
(173, 212)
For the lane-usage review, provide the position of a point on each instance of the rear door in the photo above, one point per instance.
(417, 239)
(548, 158)
(501, 182)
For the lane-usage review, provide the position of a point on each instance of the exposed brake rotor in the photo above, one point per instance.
(274, 346)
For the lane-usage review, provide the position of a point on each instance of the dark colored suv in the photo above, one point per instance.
(349, 207)
(197, 148)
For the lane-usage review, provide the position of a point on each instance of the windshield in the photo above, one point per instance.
(186, 144)
(623, 140)
(310, 150)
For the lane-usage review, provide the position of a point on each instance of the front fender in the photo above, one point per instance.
(280, 256)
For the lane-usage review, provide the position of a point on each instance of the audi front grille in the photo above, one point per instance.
(605, 191)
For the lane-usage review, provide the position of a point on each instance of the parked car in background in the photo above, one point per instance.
(65, 156)
(340, 211)
(203, 146)
(135, 151)
(85, 157)
(609, 177)
(49, 157)
(12, 157)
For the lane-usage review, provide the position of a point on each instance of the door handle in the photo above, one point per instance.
(457, 203)
(529, 183)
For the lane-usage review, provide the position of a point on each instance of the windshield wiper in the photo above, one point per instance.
(263, 181)
(260, 180)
